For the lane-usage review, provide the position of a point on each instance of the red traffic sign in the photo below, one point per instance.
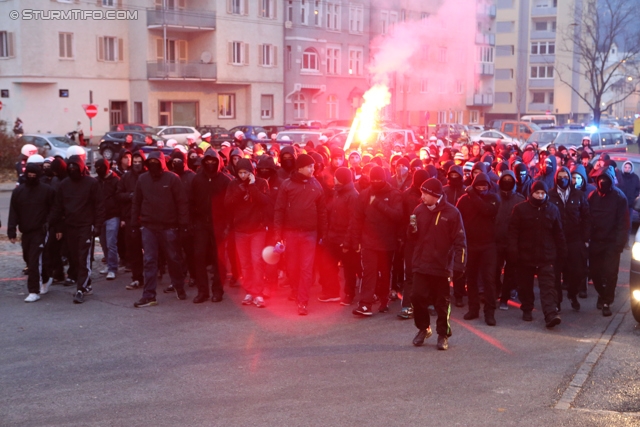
(0, 105)
(90, 110)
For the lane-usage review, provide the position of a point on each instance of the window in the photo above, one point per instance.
(504, 73)
(384, 22)
(333, 60)
(238, 53)
(317, 13)
(545, 26)
(393, 20)
(505, 27)
(6, 44)
(505, 4)
(290, 11)
(266, 106)
(356, 12)
(303, 12)
(333, 16)
(503, 97)
(442, 54)
(268, 54)
(543, 48)
(537, 97)
(110, 49)
(459, 117)
(289, 58)
(442, 117)
(355, 61)
(332, 107)
(542, 72)
(424, 16)
(299, 106)
(424, 85)
(267, 9)
(65, 41)
(485, 54)
(459, 87)
(474, 116)
(238, 7)
(108, 3)
(310, 60)
(505, 50)
(226, 106)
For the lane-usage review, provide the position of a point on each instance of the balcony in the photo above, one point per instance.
(541, 83)
(188, 20)
(543, 35)
(485, 38)
(485, 10)
(485, 68)
(539, 107)
(538, 12)
(162, 70)
(480, 100)
(548, 59)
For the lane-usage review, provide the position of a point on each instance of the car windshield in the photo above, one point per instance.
(258, 129)
(299, 136)
(542, 137)
(534, 126)
(156, 131)
(148, 129)
(60, 141)
(570, 138)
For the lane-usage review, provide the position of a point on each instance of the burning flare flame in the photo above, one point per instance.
(365, 121)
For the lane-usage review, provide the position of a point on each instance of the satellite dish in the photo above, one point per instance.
(206, 57)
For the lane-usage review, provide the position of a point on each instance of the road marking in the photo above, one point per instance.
(590, 361)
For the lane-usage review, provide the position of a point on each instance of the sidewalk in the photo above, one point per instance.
(7, 186)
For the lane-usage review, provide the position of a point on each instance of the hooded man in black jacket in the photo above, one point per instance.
(479, 208)
(536, 242)
(210, 219)
(78, 214)
(509, 198)
(108, 181)
(375, 228)
(629, 184)
(161, 210)
(523, 180)
(609, 235)
(440, 254)
(548, 171)
(576, 225)
(287, 162)
(29, 210)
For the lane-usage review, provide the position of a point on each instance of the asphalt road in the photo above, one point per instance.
(106, 363)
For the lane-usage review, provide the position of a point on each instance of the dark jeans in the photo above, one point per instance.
(186, 242)
(604, 263)
(134, 252)
(333, 255)
(508, 283)
(428, 288)
(407, 288)
(154, 241)
(571, 270)
(300, 252)
(53, 261)
(546, 277)
(207, 251)
(397, 272)
(374, 263)
(109, 242)
(33, 244)
(482, 264)
(80, 243)
(249, 247)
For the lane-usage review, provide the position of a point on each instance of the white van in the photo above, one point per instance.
(545, 121)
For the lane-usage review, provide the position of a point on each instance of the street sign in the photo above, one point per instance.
(91, 110)
(0, 105)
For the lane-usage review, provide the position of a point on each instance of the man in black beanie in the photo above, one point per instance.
(536, 241)
(300, 219)
(439, 255)
(375, 229)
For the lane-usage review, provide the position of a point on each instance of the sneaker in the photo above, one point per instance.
(504, 306)
(418, 340)
(133, 285)
(363, 310)
(78, 298)
(383, 309)
(169, 289)
(44, 288)
(347, 300)
(489, 318)
(325, 298)
(514, 296)
(248, 300)
(145, 302)
(606, 310)
(181, 294)
(553, 320)
(470, 315)
(88, 290)
(302, 310)
(32, 298)
(527, 316)
(575, 304)
(393, 295)
(459, 302)
(104, 271)
(25, 271)
(111, 275)
(406, 313)
(258, 302)
(443, 342)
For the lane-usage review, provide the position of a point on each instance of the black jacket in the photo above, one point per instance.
(206, 204)
(78, 203)
(535, 234)
(248, 204)
(629, 183)
(340, 210)
(508, 200)
(30, 208)
(159, 203)
(376, 224)
(479, 215)
(109, 186)
(454, 193)
(126, 190)
(439, 245)
(300, 206)
(609, 217)
(576, 218)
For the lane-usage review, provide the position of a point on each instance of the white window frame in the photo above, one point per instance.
(356, 17)
(310, 57)
(474, 116)
(317, 13)
(6, 44)
(356, 61)
(304, 12)
(332, 107)
(289, 16)
(541, 72)
(266, 113)
(424, 85)
(110, 49)
(533, 96)
(384, 22)
(66, 47)
(537, 47)
(459, 117)
(229, 107)
(238, 7)
(486, 54)
(333, 16)
(267, 9)
(442, 117)
(334, 54)
(239, 53)
(299, 106)
(268, 55)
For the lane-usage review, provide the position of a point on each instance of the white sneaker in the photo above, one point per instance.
(258, 302)
(111, 275)
(44, 287)
(32, 298)
(104, 271)
(248, 300)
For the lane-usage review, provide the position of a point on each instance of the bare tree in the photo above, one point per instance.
(604, 44)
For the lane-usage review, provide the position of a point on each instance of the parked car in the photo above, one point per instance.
(51, 145)
(515, 129)
(492, 136)
(602, 140)
(451, 131)
(474, 129)
(273, 129)
(218, 134)
(301, 136)
(139, 127)
(250, 134)
(111, 143)
(179, 133)
(542, 137)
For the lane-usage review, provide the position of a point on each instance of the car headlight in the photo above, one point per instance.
(636, 294)
(635, 251)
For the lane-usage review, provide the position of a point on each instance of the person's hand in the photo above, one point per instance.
(58, 236)
(12, 241)
(122, 224)
(372, 199)
(252, 179)
(586, 245)
(359, 248)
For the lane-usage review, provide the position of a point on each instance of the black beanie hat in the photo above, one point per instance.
(432, 187)
(304, 160)
(539, 185)
(343, 175)
(419, 177)
(377, 174)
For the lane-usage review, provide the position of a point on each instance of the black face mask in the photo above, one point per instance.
(481, 193)
(74, 172)
(136, 169)
(377, 185)
(521, 177)
(211, 167)
(604, 186)
(563, 183)
(191, 162)
(48, 172)
(178, 167)
(155, 169)
(507, 185)
(455, 182)
(101, 171)
(32, 180)
(537, 202)
(288, 164)
(264, 173)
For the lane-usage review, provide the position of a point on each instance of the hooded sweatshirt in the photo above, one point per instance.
(30, 205)
(629, 183)
(574, 212)
(454, 192)
(508, 200)
(609, 216)
(285, 171)
(109, 185)
(249, 203)
(548, 175)
(586, 187)
(208, 193)
(479, 214)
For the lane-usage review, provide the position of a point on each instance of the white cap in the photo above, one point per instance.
(75, 150)
(160, 144)
(285, 138)
(206, 135)
(323, 138)
(238, 134)
(49, 159)
(190, 138)
(35, 158)
(433, 138)
(588, 138)
(28, 150)
(225, 144)
(262, 135)
(171, 143)
(182, 148)
(439, 143)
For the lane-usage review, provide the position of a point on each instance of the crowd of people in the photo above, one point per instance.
(482, 219)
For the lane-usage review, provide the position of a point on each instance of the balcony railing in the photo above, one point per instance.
(486, 38)
(485, 68)
(188, 19)
(542, 35)
(479, 99)
(167, 70)
(544, 11)
(539, 107)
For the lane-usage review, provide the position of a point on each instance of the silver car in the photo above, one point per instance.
(51, 145)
